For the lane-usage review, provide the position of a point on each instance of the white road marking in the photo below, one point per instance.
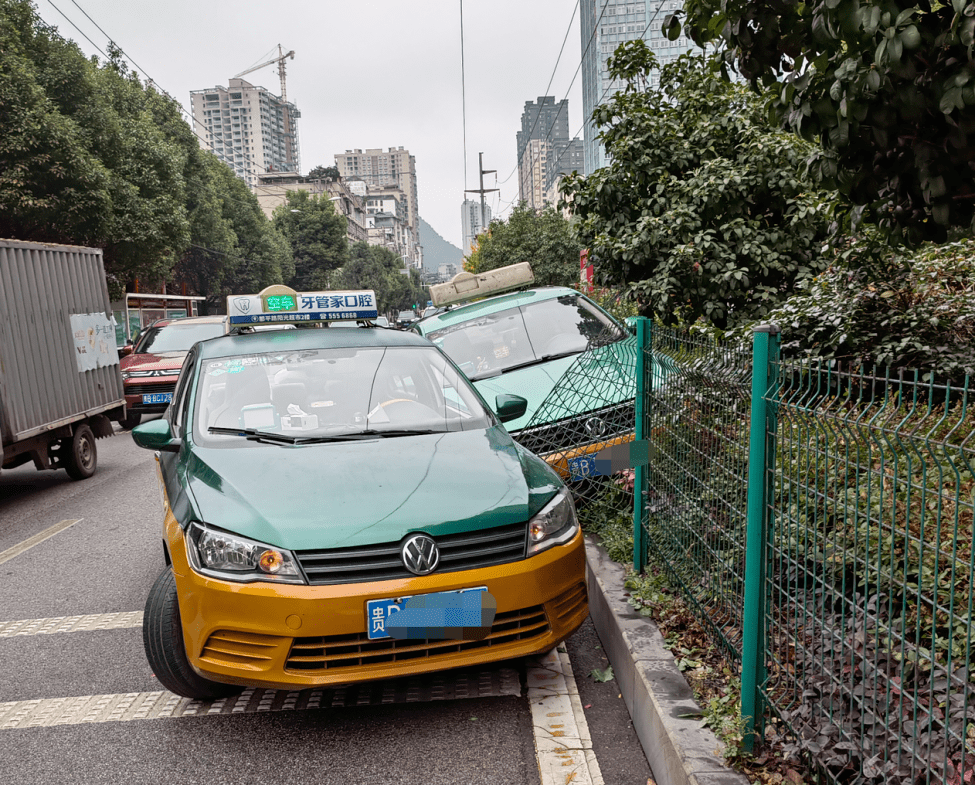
(160, 704)
(87, 623)
(26, 545)
(563, 745)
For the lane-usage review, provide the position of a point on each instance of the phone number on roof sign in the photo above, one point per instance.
(317, 316)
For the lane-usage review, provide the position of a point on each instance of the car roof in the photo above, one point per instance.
(189, 320)
(501, 302)
(322, 338)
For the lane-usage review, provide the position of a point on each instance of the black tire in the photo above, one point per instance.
(162, 636)
(131, 420)
(81, 457)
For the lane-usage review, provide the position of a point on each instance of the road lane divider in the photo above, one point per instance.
(37, 539)
(161, 704)
(86, 623)
(563, 744)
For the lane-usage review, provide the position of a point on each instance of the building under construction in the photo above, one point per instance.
(249, 128)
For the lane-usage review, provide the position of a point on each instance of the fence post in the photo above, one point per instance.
(764, 343)
(644, 333)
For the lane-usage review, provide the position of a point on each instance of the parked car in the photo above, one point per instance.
(523, 343)
(290, 567)
(151, 366)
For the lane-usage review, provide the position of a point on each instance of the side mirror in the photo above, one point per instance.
(631, 324)
(126, 350)
(510, 407)
(156, 435)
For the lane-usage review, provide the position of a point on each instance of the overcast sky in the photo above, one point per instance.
(366, 73)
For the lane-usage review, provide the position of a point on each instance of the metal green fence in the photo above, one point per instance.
(841, 580)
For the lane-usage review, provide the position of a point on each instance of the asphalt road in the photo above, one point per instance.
(105, 564)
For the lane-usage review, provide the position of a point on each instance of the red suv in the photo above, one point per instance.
(150, 368)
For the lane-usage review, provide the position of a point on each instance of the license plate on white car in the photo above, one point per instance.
(165, 397)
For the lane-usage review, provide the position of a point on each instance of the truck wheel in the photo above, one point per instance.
(81, 458)
(131, 420)
(162, 636)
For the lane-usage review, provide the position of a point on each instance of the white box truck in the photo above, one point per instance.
(60, 385)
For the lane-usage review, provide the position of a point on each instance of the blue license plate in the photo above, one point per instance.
(165, 397)
(582, 467)
(378, 612)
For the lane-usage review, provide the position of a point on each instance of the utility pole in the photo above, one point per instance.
(482, 190)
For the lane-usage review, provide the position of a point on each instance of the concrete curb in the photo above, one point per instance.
(679, 749)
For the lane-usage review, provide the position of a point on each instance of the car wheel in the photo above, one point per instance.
(81, 458)
(162, 636)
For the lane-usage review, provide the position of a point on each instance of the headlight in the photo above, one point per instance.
(234, 558)
(556, 524)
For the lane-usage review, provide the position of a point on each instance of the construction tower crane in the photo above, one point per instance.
(280, 60)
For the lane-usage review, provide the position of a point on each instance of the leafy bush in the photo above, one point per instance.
(918, 311)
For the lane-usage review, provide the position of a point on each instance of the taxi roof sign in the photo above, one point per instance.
(282, 305)
(466, 286)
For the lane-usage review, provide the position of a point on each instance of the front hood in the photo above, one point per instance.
(533, 384)
(152, 362)
(344, 494)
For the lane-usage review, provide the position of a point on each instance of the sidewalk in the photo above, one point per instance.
(680, 751)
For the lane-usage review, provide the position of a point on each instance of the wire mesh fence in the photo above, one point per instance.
(870, 574)
(590, 407)
(866, 580)
(696, 483)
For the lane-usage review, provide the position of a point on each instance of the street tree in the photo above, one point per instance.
(234, 247)
(543, 238)
(886, 90)
(317, 237)
(377, 268)
(323, 173)
(53, 188)
(702, 211)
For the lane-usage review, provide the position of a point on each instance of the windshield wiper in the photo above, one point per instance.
(252, 434)
(537, 361)
(370, 434)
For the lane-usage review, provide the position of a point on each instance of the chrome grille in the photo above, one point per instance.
(144, 389)
(567, 434)
(468, 551)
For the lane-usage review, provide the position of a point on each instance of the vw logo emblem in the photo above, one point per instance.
(420, 554)
(243, 304)
(596, 428)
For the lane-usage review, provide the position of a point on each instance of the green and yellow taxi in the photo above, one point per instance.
(572, 361)
(342, 506)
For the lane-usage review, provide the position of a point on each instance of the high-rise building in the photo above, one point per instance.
(605, 24)
(247, 127)
(473, 222)
(382, 169)
(544, 123)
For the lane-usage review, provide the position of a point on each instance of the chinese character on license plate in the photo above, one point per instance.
(468, 613)
(166, 397)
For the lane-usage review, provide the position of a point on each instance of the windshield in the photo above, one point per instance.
(176, 337)
(322, 393)
(491, 344)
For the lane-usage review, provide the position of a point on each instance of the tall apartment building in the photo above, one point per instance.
(605, 24)
(249, 128)
(381, 168)
(543, 124)
(473, 222)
